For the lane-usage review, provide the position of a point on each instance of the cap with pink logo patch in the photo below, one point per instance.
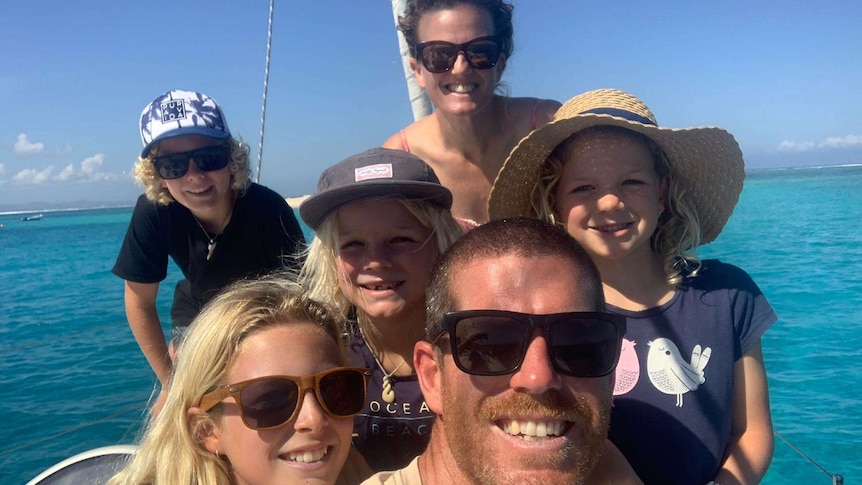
(378, 172)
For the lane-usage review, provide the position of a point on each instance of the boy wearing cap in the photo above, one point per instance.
(381, 218)
(201, 209)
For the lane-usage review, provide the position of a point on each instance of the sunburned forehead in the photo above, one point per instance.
(537, 284)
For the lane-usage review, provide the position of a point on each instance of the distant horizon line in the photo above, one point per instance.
(294, 201)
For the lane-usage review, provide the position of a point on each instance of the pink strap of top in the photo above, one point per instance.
(532, 116)
(404, 144)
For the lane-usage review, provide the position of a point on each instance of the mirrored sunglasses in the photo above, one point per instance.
(439, 56)
(273, 401)
(208, 159)
(494, 342)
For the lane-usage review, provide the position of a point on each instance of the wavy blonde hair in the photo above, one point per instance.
(239, 167)
(171, 451)
(319, 273)
(678, 233)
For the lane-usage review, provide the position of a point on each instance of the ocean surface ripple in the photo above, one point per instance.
(74, 378)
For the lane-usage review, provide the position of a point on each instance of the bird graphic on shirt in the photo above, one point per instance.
(628, 369)
(670, 373)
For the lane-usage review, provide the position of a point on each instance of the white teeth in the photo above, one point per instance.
(307, 456)
(461, 88)
(614, 228)
(530, 430)
(541, 430)
(380, 287)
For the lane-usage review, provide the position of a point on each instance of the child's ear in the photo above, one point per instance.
(203, 430)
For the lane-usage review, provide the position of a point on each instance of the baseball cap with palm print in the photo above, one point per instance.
(177, 113)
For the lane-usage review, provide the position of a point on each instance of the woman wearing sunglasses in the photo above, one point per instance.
(459, 50)
(381, 219)
(244, 410)
(201, 209)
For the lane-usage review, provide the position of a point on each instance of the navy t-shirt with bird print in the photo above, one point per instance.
(673, 399)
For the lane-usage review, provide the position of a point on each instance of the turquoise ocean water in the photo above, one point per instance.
(74, 379)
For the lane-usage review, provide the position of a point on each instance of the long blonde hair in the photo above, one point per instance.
(678, 233)
(239, 167)
(171, 451)
(319, 272)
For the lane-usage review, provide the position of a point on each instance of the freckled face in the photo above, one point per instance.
(201, 192)
(609, 195)
(462, 90)
(310, 449)
(385, 258)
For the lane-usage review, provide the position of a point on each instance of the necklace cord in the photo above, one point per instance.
(211, 246)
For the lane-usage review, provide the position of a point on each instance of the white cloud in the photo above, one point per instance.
(91, 168)
(91, 165)
(23, 146)
(795, 146)
(2, 169)
(66, 173)
(849, 141)
(90, 171)
(31, 176)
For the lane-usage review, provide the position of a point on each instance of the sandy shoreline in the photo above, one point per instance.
(295, 201)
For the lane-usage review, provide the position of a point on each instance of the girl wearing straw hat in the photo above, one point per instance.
(381, 219)
(691, 398)
(458, 52)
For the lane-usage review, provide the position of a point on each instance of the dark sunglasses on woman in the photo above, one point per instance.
(208, 159)
(439, 56)
(494, 342)
(273, 401)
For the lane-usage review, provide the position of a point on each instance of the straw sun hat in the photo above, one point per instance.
(706, 160)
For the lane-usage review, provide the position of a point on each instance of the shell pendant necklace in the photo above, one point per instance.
(388, 393)
(212, 241)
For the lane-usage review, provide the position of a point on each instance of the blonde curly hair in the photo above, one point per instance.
(239, 167)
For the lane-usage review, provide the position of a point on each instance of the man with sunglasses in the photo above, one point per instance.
(518, 363)
(201, 209)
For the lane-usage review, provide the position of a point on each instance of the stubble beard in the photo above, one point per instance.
(477, 461)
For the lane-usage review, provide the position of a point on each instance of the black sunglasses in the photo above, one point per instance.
(273, 401)
(208, 159)
(439, 56)
(494, 342)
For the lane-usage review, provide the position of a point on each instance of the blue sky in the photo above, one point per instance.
(783, 77)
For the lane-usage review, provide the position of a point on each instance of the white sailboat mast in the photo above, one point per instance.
(419, 101)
